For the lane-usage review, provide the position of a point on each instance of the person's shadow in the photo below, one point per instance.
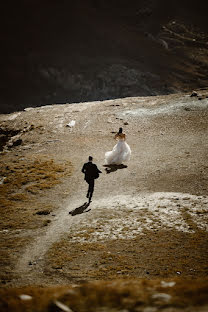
(112, 168)
(80, 209)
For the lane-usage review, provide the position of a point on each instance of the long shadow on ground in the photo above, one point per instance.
(80, 209)
(112, 168)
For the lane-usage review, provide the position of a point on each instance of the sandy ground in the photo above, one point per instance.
(146, 220)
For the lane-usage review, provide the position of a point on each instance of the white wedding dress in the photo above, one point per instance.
(120, 153)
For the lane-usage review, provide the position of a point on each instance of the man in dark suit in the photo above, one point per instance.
(91, 173)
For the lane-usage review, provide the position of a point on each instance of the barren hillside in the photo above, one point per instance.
(147, 220)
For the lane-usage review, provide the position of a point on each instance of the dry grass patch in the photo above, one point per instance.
(64, 253)
(159, 253)
(110, 296)
(30, 174)
(25, 177)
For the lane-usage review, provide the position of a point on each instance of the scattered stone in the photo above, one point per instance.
(4, 231)
(43, 212)
(2, 179)
(71, 124)
(17, 142)
(167, 284)
(25, 297)
(126, 123)
(194, 93)
(57, 267)
(32, 263)
(28, 128)
(14, 141)
(46, 222)
(26, 147)
(162, 296)
(61, 306)
(202, 97)
(179, 273)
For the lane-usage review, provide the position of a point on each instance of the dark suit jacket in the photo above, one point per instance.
(90, 170)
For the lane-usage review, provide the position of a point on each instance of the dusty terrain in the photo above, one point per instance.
(147, 220)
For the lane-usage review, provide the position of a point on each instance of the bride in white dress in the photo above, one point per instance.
(121, 151)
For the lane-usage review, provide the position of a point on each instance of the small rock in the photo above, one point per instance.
(162, 296)
(194, 93)
(43, 212)
(167, 284)
(2, 179)
(17, 142)
(32, 263)
(25, 297)
(28, 128)
(62, 307)
(188, 109)
(71, 124)
(126, 123)
(57, 267)
(179, 273)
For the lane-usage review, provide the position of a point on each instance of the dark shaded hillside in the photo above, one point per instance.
(65, 51)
